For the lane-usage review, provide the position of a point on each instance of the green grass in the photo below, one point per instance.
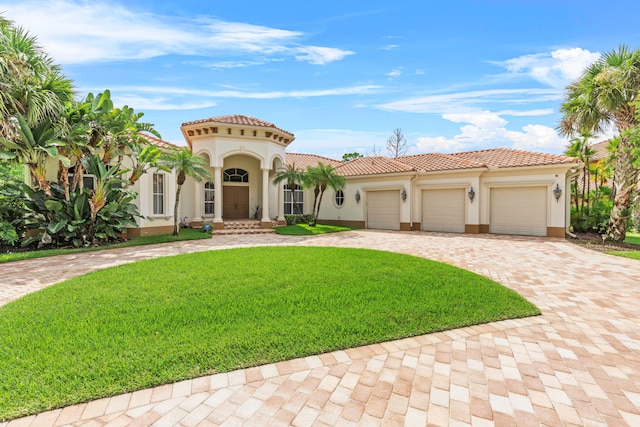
(634, 239)
(185, 234)
(307, 230)
(173, 318)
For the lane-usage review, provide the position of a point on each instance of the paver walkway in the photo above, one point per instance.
(576, 365)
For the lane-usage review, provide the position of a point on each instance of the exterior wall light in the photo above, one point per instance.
(557, 192)
(472, 194)
(403, 194)
(357, 196)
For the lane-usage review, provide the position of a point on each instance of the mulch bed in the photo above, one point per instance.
(594, 241)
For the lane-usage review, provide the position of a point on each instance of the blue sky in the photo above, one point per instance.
(341, 75)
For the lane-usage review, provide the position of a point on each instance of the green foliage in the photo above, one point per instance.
(185, 234)
(69, 222)
(347, 157)
(11, 204)
(174, 318)
(298, 219)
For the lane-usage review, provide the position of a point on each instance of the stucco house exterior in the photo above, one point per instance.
(498, 190)
(488, 191)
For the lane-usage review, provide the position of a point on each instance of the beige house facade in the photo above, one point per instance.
(501, 191)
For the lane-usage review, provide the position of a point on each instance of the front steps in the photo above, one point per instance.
(244, 226)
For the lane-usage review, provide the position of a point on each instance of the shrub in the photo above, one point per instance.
(293, 219)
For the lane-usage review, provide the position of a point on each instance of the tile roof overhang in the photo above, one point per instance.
(156, 141)
(224, 125)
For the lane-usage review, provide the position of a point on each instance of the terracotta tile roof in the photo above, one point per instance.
(373, 166)
(156, 141)
(302, 161)
(439, 162)
(506, 158)
(237, 119)
(600, 150)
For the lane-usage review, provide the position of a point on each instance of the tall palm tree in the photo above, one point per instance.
(185, 163)
(606, 94)
(322, 176)
(294, 177)
(30, 83)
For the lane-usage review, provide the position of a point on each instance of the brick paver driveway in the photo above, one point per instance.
(577, 364)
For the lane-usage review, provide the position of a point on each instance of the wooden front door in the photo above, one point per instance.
(235, 202)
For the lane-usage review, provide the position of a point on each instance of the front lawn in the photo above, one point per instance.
(167, 319)
(633, 239)
(307, 230)
(185, 234)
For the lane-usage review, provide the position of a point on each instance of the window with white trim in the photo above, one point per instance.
(339, 198)
(209, 196)
(289, 205)
(88, 180)
(158, 194)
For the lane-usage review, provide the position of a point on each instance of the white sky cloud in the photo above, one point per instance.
(83, 32)
(179, 98)
(556, 69)
(470, 101)
(488, 129)
(396, 72)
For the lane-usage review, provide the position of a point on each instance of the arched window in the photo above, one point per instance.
(339, 197)
(293, 203)
(235, 175)
(209, 196)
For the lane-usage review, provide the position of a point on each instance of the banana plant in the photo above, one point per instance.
(33, 147)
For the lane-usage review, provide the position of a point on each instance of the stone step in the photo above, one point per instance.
(243, 231)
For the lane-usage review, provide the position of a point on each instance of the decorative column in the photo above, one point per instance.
(281, 220)
(198, 201)
(218, 224)
(266, 221)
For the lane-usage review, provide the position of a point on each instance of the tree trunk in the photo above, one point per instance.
(315, 214)
(625, 178)
(176, 227)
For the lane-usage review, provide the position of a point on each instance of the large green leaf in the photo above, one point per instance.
(7, 155)
(54, 228)
(53, 205)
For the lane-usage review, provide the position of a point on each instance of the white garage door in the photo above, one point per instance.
(443, 210)
(519, 210)
(383, 210)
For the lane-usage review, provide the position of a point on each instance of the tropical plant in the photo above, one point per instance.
(184, 163)
(33, 147)
(581, 149)
(605, 94)
(30, 84)
(294, 178)
(320, 177)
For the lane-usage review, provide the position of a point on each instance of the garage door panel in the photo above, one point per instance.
(519, 210)
(383, 210)
(443, 210)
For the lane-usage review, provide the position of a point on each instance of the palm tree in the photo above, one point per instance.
(606, 94)
(185, 163)
(30, 84)
(321, 177)
(294, 178)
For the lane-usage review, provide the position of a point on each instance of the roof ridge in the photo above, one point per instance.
(317, 155)
(242, 117)
(463, 160)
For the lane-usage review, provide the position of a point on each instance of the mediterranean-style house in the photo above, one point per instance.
(487, 191)
(498, 190)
